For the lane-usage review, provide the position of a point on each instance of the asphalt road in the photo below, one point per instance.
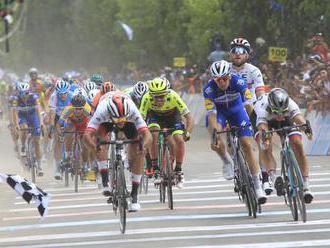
(207, 213)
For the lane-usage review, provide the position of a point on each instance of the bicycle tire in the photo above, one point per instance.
(288, 196)
(76, 165)
(122, 202)
(169, 177)
(298, 180)
(162, 187)
(66, 175)
(32, 160)
(247, 186)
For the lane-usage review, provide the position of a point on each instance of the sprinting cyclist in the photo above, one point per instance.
(117, 112)
(26, 114)
(164, 108)
(276, 110)
(225, 99)
(60, 98)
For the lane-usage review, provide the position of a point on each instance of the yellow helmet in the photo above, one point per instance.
(158, 86)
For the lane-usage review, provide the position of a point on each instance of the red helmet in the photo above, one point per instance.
(118, 106)
(107, 87)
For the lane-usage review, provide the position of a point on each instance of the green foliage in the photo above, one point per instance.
(65, 34)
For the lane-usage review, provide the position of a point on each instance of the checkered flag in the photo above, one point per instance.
(29, 191)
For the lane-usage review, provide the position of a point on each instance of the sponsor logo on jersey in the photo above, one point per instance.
(208, 104)
(247, 94)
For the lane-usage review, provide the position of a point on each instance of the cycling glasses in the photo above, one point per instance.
(119, 120)
(223, 78)
(62, 93)
(279, 111)
(159, 97)
(238, 50)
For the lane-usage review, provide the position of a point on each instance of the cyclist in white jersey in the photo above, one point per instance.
(239, 54)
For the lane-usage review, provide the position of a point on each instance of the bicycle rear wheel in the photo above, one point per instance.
(122, 202)
(298, 184)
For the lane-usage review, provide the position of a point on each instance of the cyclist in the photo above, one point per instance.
(26, 114)
(97, 79)
(37, 86)
(164, 108)
(275, 110)
(118, 112)
(75, 117)
(225, 99)
(104, 88)
(89, 85)
(60, 98)
(137, 91)
(239, 54)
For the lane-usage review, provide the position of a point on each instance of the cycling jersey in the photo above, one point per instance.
(228, 104)
(38, 86)
(264, 115)
(57, 104)
(70, 118)
(253, 77)
(102, 115)
(173, 103)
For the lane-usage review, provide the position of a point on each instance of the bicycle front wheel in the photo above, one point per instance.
(169, 178)
(122, 202)
(298, 184)
(248, 190)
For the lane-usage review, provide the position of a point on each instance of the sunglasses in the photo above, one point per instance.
(63, 94)
(238, 50)
(223, 78)
(278, 111)
(119, 120)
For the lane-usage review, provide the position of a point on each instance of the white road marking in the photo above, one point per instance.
(210, 236)
(164, 230)
(150, 218)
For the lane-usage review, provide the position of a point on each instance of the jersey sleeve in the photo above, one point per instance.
(260, 110)
(293, 108)
(179, 103)
(136, 117)
(208, 102)
(244, 91)
(144, 106)
(99, 116)
(258, 81)
(52, 101)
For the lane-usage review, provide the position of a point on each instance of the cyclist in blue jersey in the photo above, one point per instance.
(26, 114)
(60, 98)
(225, 101)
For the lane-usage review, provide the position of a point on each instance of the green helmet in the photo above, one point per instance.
(97, 78)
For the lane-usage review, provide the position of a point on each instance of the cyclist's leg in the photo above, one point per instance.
(102, 158)
(136, 160)
(220, 148)
(68, 139)
(23, 124)
(57, 150)
(295, 138)
(154, 126)
(34, 124)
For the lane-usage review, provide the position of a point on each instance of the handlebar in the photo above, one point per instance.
(232, 130)
(122, 142)
(285, 130)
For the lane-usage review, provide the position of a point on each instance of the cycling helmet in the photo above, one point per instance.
(240, 42)
(97, 78)
(33, 71)
(220, 69)
(23, 87)
(89, 85)
(78, 101)
(278, 100)
(107, 87)
(158, 86)
(92, 94)
(118, 106)
(62, 86)
(139, 89)
(80, 91)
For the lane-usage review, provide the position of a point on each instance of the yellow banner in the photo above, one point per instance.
(179, 61)
(277, 54)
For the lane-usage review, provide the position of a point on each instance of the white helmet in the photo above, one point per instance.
(139, 89)
(89, 85)
(80, 91)
(240, 42)
(92, 94)
(220, 69)
(33, 70)
(23, 87)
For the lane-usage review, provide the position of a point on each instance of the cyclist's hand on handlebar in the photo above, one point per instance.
(186, 136)
(309, 135)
